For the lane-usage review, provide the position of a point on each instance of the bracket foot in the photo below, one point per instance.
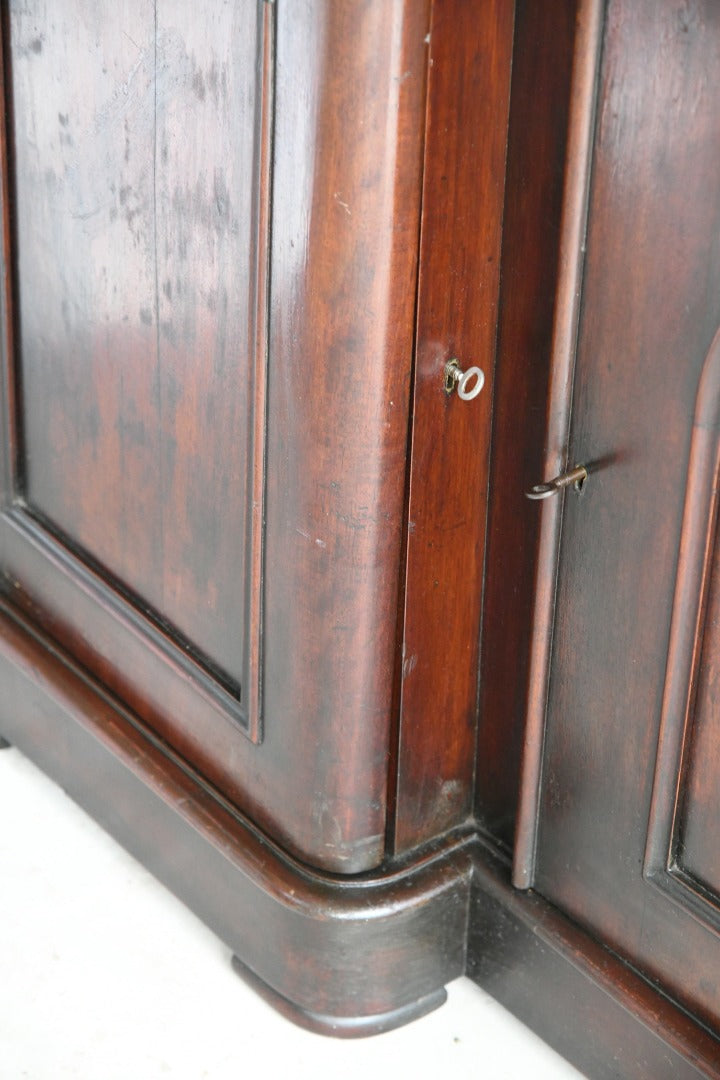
(341, 1027)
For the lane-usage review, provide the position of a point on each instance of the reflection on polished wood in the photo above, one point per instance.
(240, 252)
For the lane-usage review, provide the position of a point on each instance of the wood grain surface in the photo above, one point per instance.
(138, 348)
(469, 85)
(650, 311)
(540, 100)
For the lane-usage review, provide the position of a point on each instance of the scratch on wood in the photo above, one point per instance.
(344, 205)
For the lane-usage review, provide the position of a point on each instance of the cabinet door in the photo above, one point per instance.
(209, 294)
(628, 811)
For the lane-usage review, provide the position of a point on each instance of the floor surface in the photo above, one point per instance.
(104, 975)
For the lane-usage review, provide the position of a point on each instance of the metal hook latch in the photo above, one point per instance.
(463, 380)
(575, 477)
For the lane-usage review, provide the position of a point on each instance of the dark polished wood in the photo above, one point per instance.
(682, 854)
(160, 307)
(597, 624)
(537, 146)
(139, 267)
(645, 370)
(592, 1008)
(252, 554)
(468, 91)
(351, 950)
(342, 956)
(571, 251)
(339, 1027)
(343, 299)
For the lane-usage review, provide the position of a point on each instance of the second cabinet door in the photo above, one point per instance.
(628, 816)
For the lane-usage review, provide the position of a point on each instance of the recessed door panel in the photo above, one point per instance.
(137, 163)
(683, 854)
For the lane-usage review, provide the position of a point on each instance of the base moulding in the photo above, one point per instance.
(346, 956)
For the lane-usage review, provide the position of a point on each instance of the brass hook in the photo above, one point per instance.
(576, 477)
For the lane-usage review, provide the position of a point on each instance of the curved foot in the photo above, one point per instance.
(341, 1027)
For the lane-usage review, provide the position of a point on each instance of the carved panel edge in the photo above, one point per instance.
(697, 538)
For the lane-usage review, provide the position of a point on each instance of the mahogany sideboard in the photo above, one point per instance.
(275, 606)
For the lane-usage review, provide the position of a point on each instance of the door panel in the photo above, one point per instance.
(206, 380)
(650, 310)
(137, 276)
(141, 257)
